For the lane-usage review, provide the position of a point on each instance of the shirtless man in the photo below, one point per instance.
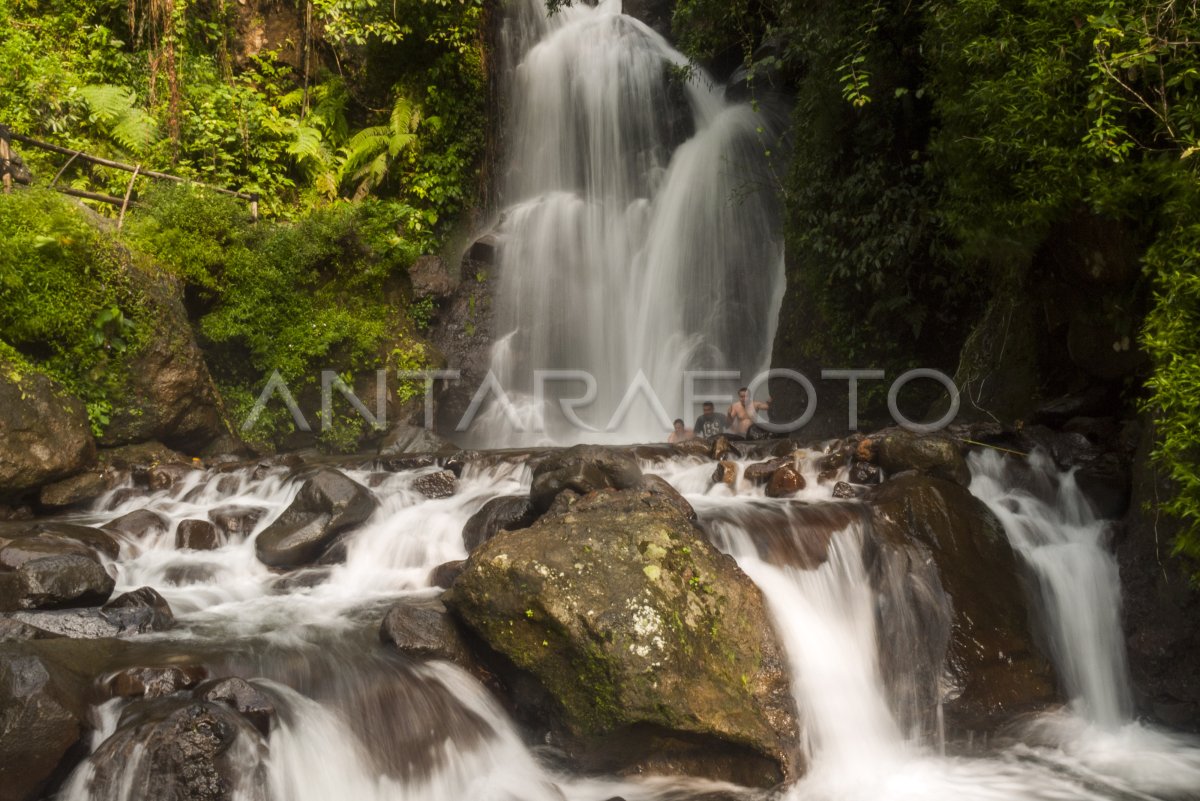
(680, 434)
(744, 413)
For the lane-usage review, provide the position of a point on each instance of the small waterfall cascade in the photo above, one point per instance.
(356, 720)
(641, 234)
(1053, 527)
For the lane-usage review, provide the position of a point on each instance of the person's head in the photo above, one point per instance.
(679, 426)
(742, 393)
(708, 407)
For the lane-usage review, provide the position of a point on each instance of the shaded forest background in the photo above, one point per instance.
(1009, 191)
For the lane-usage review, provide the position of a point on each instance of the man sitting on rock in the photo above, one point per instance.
(680, 434)
(709, 424)
(744, 413)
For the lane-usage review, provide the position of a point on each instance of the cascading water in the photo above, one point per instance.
(357, 721)
(641, 236)
(1052, 526)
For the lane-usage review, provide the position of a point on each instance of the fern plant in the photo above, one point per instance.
(318, 132)
(116, 111)
(371, 152)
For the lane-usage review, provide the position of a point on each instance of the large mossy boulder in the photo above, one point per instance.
(44, 432)
(167, 393)
(329, 504)
(993, 665)
(650, 650)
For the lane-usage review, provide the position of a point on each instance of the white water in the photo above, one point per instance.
(641, 234)
(356, 725)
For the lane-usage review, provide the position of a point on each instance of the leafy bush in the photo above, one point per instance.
(67, 303)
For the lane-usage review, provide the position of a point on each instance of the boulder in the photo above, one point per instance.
(582, 469)
(140, 457)
(722, 448)
(55, 582)
(404, 438)
(76, 490)
(785, 482)
(865, 474)
(152, 682)
(506, 513)
(42, 719)
(138, 524)
(423, 629)
(436, 485)
(760, 473)
(692, 448)
(641, 645)
(993, 666)
(241, 696)
(164, 476)
(166, 390)
(17, 631)
(431, 278)
(845, 491)
(96, 541)
(328, 504)
(933, 454)
(236, 521)
(659, 486)
(139, 611)
(73, 624)
(196, 535)
(44, 432)
(726, 473)
(444, 574)
(181, 750)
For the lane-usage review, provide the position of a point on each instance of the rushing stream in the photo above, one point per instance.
(357, 721)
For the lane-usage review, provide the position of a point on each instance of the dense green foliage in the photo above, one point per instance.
(311, 107)
(941, 146)
(372, 99)
(67, 304)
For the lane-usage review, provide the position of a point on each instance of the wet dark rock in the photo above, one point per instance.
(582, 469)
(864, 473)
(483, 249)
(404, 438)
(431, 278)
(26, 549)
(726, 473)
(139, 458)
(761, 472)
(42, 719)
(444, 574)
(422, 628)
(458, 461)
(398, 464)
(44, 431)
(996, 670)
(181, 751)
(236, 521)
(328, 504)
(660, 487)
(1098, 399)
(722, 448)
(12, 630)
(167, 392)
(123, 496)
(845, 491)
(933, 454)
(241, 696)
(196, 535)
(55, 582)
(637, 634)
(785, 482)
(692, 448)
(74, 624)
(94, 539)
(499, 514)
(76, 490)
(152, 682)
(138, 524)
(139, 611)
(441, 484)
(165, 476)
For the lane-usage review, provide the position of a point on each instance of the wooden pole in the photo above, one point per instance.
(254, 206)
(125, 202)
(5, 160)
(118, 165)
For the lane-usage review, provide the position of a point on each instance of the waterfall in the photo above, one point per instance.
(1051, 525)
(641, 235)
